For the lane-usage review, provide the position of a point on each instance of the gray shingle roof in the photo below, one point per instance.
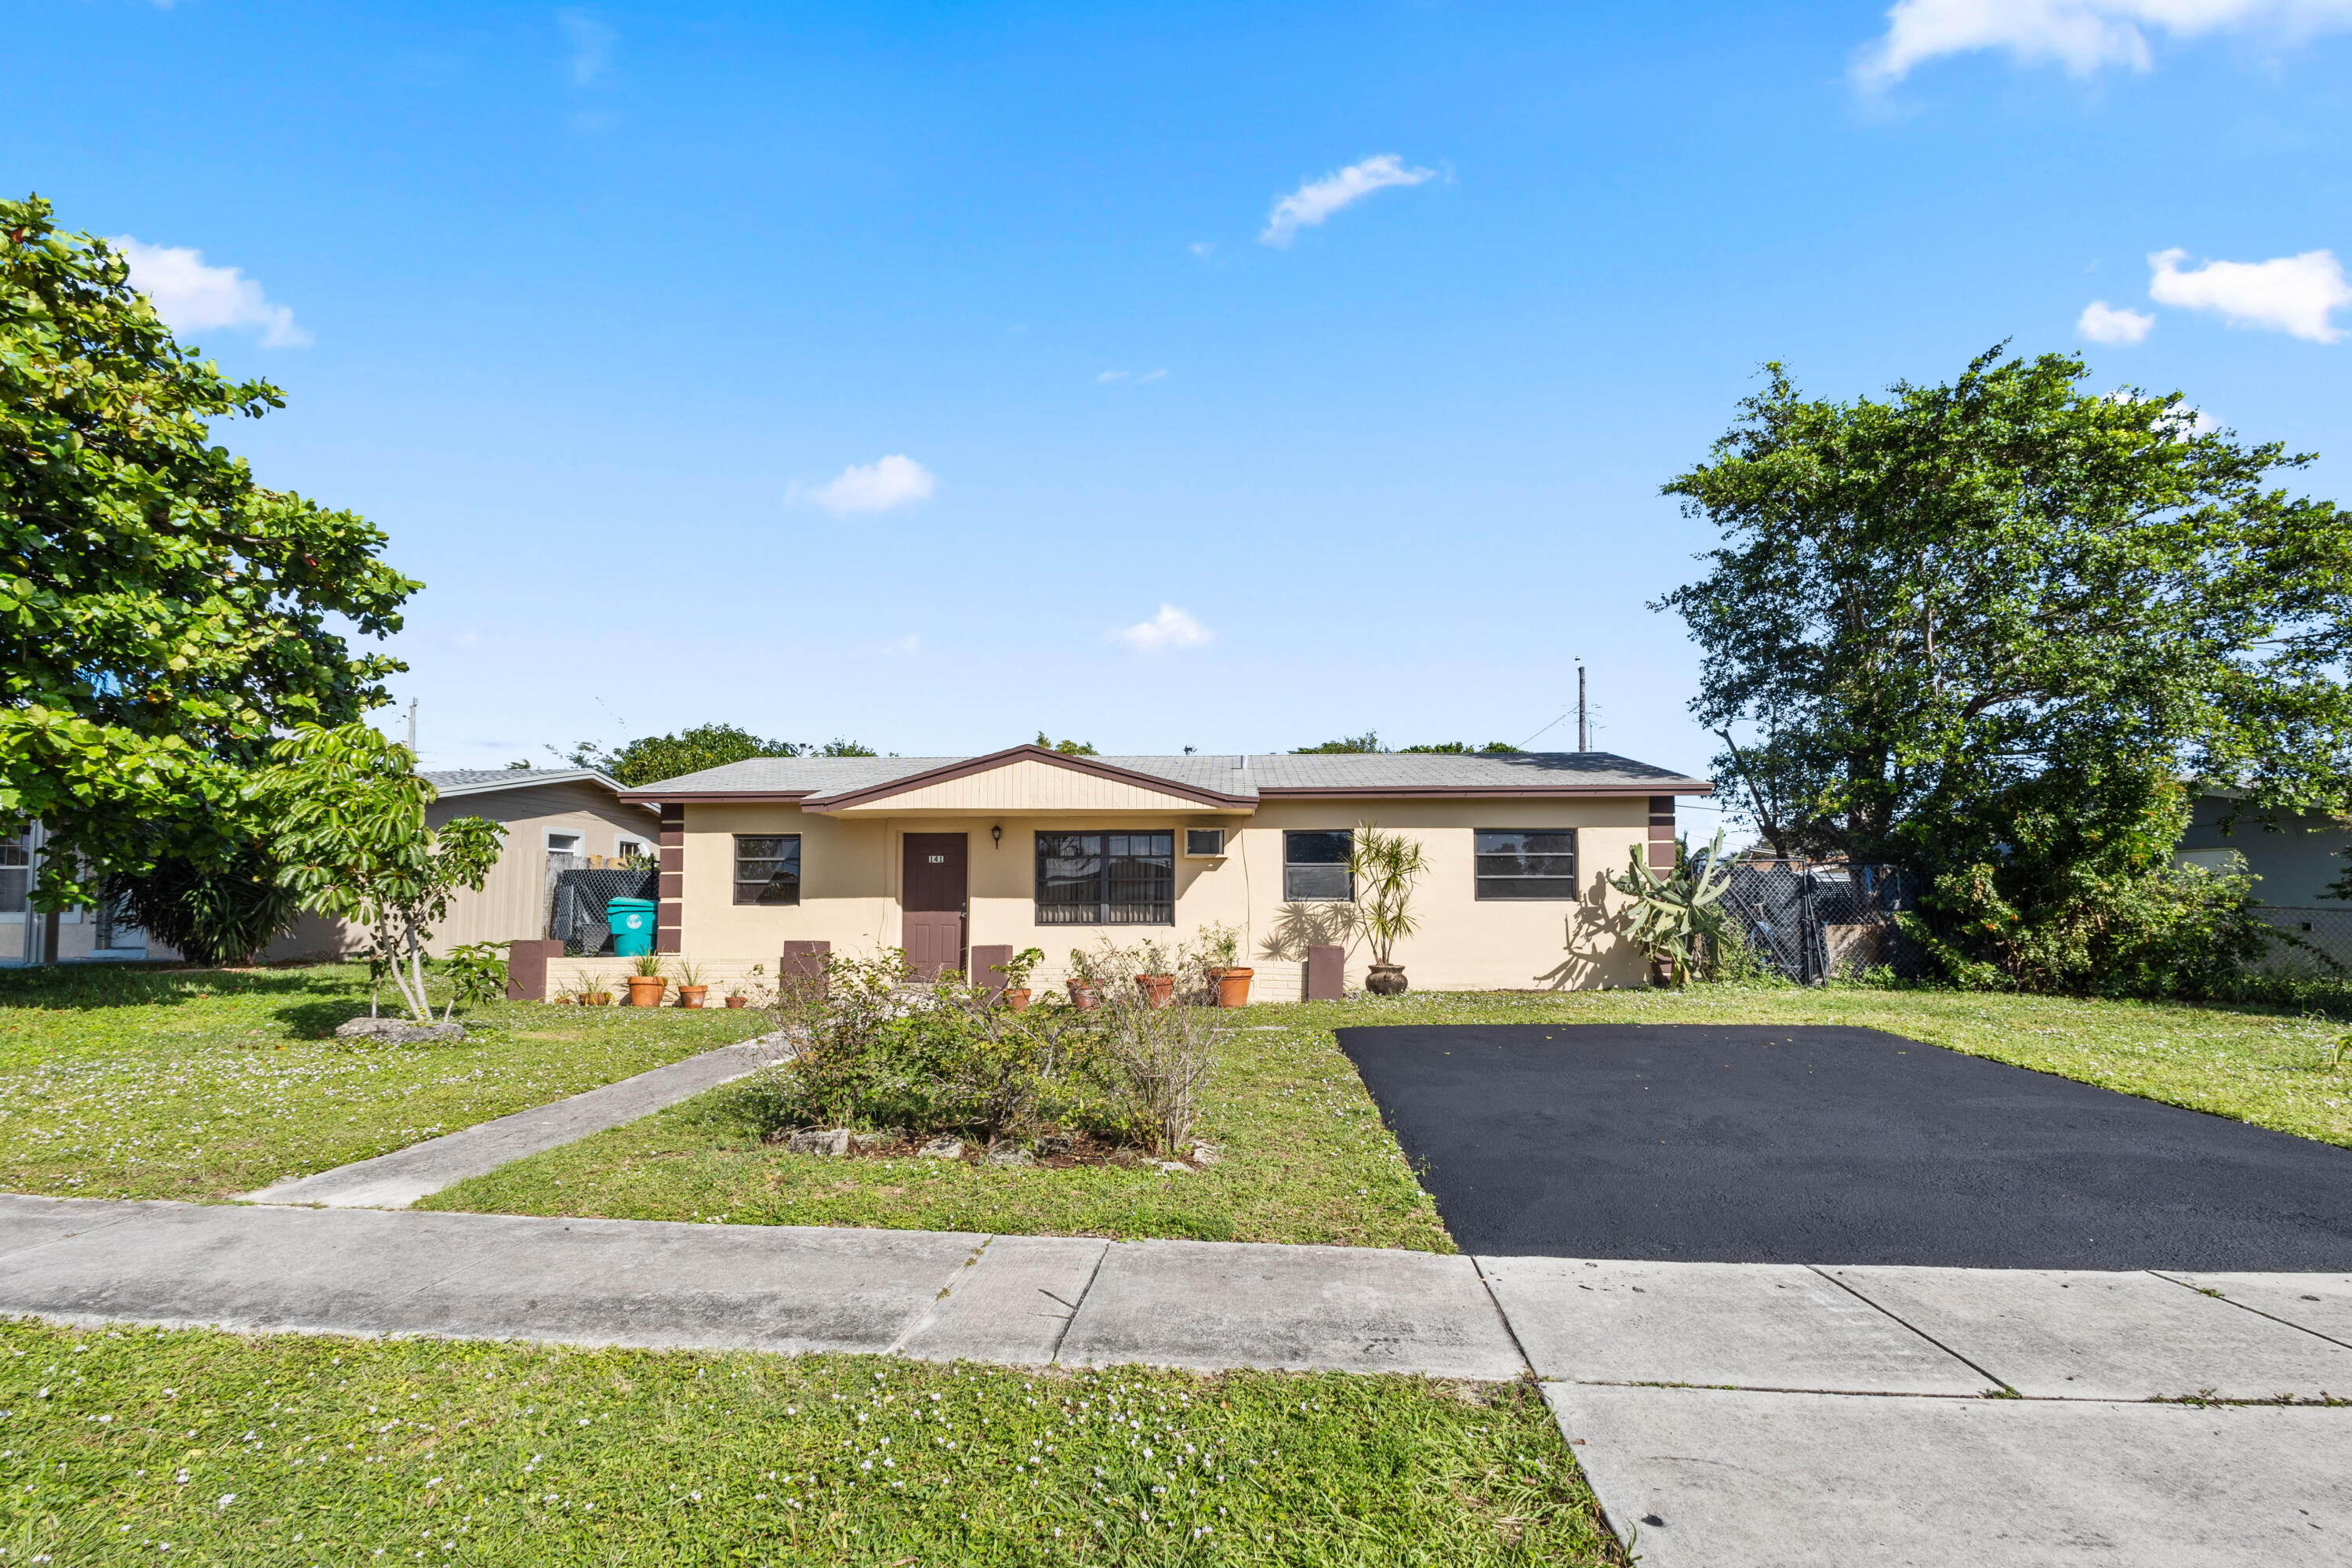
(481, 781)
(1225, 773)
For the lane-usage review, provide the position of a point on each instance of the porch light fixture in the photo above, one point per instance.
(996, 836)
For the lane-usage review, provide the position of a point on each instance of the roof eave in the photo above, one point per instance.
(1435, 792)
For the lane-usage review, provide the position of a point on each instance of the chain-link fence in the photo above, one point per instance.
(576, 895)
(1824, 920)
(2311, 934)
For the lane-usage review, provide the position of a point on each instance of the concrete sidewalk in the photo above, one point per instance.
(399, 1178)
(1725, 1414)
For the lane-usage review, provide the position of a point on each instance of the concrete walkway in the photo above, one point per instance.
(399, 1178)
(1725, 1414)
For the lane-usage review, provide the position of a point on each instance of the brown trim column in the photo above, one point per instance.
(1661, 833)
(527, 964)
(669, 917)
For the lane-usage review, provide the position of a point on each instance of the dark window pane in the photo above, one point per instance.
(1314, 865)
(767, 868)
(1328, 883)
(1522, 863)
(1527, 888)
(1318, 848)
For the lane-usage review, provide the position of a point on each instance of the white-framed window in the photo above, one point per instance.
(625, 847)
(562, 843)
(16, 877)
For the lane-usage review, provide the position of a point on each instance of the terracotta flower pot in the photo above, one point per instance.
(738, 1001)
(1082, 996)
(1386, 980)
(1017, 998)
(1157, 988)
(1232, 986)
(692, 996)
(597, 999)
(646, 989)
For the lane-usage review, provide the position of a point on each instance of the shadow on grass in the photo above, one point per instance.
(84, 987)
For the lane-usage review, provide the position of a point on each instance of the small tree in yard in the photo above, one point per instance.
(1385, 866)
(1673, 913)
(349, 811)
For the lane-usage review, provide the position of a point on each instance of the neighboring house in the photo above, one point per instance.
(563, 818)
(2295, 861)
(1029, 848)
(574, 815)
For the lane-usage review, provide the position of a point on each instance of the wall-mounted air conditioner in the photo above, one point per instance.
(1204, 844)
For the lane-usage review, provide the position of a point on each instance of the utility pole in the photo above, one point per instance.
(1583, 734)
(412, 730)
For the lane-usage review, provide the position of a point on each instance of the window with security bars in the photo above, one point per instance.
(767, 867)
(1105, 878)
(1315, 866)
(1525, 863)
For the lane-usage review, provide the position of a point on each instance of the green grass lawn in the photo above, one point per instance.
(1307, 1158)
(201, 1084)
(148, 1446)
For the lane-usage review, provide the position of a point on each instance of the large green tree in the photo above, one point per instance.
(1985, 629)
(652, 758)
(161, 612)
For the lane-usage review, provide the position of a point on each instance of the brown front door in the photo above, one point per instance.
(931, 897)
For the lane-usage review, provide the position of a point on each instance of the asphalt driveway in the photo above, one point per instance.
(1757, 1144)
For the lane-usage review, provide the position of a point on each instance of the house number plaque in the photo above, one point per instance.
(938, 860)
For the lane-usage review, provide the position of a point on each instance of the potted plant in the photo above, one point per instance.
(1016, 972)
(1672, 913)
(1157, 981)
(600, 997)
(1384, 866)
(646, 982)
(735, 998)
(691, 989)
(1083, 989)
(1222, 944)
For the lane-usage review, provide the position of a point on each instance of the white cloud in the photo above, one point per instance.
(1107, 377)
(1171, 627)
(592, 44)
(2102, 323)
(194, 298)
(879, 486)
(2080, 34)
(2288, 294)
(1203, 248)
(1317, 200)
(906, 646)
(1111, 377)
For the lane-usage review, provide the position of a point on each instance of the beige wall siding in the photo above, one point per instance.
(849, 871)
(1030, 785)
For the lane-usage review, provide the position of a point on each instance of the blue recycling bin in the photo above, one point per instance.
(632, 921)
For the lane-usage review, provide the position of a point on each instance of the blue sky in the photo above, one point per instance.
(614, 317)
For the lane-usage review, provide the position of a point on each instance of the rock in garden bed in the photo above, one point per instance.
(398, 1031)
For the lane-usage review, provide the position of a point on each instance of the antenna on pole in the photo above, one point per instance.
(412, 730)
(1583, 732)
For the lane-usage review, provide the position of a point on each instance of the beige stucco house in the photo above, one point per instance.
(575, 815)
(1028, 847)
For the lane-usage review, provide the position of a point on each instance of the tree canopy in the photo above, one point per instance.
(162, 614)
(1369, 741)
(652, 758)
(1986, 628)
